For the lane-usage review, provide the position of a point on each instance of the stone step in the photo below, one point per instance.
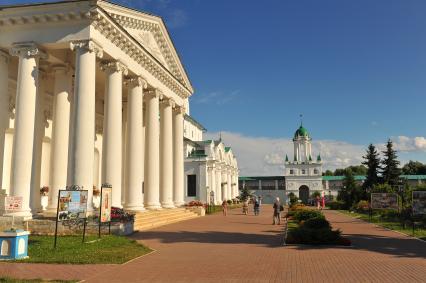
(162, 215)
(155, 218)
(159, 212)
(151, 225)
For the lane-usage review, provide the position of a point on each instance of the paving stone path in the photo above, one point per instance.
(240, 248)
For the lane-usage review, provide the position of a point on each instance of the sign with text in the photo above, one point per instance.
(72, 204)
(13, 203)
(419, 202)
(106, 199)
(384, 201)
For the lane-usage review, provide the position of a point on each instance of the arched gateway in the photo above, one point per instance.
(304, 194)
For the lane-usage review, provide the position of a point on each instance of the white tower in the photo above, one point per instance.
(303, 175)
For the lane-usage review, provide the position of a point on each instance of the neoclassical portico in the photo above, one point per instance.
(117, 93)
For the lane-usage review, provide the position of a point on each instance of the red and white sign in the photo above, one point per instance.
(13, 203)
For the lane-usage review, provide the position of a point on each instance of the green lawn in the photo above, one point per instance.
(70, 249)
(393, 225)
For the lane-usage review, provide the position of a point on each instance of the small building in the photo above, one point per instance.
(267, 187)
(211, 169)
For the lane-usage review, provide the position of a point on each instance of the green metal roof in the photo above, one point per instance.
(413, 177)
(195, 122)
(301, 132)
(341, 178)
(245, 179)
(227, 148)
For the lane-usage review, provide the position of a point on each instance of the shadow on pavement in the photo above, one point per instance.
(212, 237)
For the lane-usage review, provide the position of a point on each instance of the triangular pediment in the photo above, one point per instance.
(152, 34)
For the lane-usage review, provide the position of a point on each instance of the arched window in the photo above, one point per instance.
(315, 171)
(303, 171)
(5, 248)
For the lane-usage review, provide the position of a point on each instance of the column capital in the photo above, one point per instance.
(27, 50)
(168, 102)
(155, 93)
(179, 109)
(135, 81)
(114, 66)
(88, 45)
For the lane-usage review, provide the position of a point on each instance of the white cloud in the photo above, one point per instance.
(216, 97)
(407, 144)
(265, 156)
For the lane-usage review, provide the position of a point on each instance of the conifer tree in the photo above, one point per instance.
(372, 162)
(390, 163)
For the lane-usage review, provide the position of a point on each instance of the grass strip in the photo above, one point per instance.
(110, 249)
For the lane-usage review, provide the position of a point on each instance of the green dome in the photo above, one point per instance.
(301, 132)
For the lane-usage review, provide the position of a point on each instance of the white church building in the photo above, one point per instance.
(211, 169)
(303, 175)
(91, 92)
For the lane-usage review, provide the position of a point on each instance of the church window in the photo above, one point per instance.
(303, 171)
(315, 171)
(291, 171)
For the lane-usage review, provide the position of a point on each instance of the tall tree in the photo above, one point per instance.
(372, 161)
(414, 168)
(350, 193)
(390, 163)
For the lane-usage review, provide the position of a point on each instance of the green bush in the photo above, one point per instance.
(229, 201)
(336, 205)
(316, 223)
(389, 214)
(303, 215)
(362, 206)
(305, 235)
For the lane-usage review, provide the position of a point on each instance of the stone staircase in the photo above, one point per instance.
(155, 218)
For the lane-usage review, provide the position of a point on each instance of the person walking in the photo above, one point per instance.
(277, 211)
(256, 206)
(225, 207)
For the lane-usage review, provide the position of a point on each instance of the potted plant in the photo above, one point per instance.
(44, 199)
(124, 220)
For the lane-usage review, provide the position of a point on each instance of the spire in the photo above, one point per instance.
(319, 158)
(310, 157)
(220, 136)
(286, 158)
(301, 120)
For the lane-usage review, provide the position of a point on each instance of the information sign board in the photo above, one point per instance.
(419, 202)
(13, 203)
(384, 201)
(106, 199)
(72, 204)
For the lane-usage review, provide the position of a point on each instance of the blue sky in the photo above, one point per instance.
(355, 69)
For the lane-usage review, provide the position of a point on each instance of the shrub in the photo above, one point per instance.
(297, 206)
(229, 201)
(389, 214)
(362, 206)
(316, 223)
(305, 235)
(336, 205)
(303, 215)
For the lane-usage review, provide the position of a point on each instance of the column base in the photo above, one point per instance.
(168, 205)
(134, 208)
(153, 206)
(179, 203)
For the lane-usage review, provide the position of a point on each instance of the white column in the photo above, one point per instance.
(178, 163)
(230, 196)
(60, 134)
(4, 108)
(152, 152)
(39, 132)
(134, 148)
(83, 140)
(26, 92)
(166, 154)
(218, 193)
(112, 135)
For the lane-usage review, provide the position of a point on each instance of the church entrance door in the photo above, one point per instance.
(304, 194)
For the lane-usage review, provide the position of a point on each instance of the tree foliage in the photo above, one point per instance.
(390, 163)
(350, 193)
(372, 162)
(414, 168)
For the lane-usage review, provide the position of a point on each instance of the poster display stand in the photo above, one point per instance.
(72, 209)
(105, 207)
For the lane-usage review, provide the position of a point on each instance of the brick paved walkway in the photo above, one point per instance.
(240, 248)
